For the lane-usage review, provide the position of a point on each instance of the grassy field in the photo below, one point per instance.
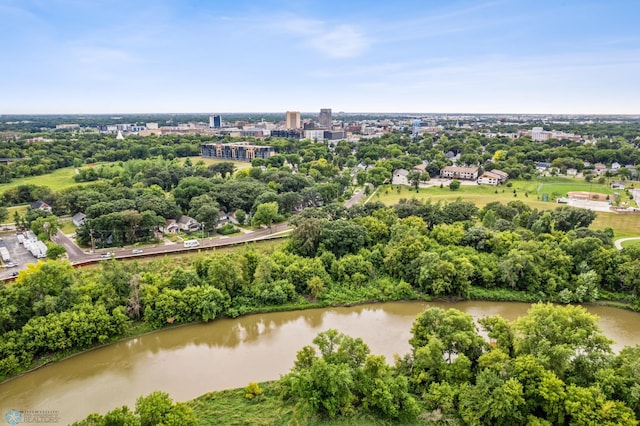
(478, 194)
(622, 225)
(57, 180)
(629, 244)
(63, 178)
(529, 192)
(230, 407)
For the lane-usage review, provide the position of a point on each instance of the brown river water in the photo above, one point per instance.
(191, 360)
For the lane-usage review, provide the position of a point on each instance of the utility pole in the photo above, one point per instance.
(93, 242)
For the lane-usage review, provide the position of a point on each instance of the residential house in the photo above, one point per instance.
(400, 177)
(455, 172)
(420, 167)
(40, 205)
(188, 224)
(599, 168)
(78, 219)
(572, 172)
(494, 177)
(543, 167)
(170, 227)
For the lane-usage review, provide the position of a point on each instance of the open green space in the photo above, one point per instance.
(230, 407)
(56, 180)
(529, 192)
(632, 243)
(623, 225)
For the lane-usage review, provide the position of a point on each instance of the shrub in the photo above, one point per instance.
(252, 390)
(227, 229)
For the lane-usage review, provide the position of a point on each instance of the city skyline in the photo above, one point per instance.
(72, 56)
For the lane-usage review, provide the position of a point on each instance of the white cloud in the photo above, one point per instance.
(334, 41)
(342, 42)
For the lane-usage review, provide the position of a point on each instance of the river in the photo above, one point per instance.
(191, 360)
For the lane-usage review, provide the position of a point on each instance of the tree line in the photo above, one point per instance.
(335, 255)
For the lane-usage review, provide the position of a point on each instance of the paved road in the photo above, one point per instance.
(77, 255)
(356, 198)
(618, 243)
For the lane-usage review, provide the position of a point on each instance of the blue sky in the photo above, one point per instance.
(110, 56)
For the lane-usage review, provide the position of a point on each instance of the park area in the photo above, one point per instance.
(531, 192)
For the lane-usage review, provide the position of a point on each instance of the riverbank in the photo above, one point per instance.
(192, 360)
(137, 330)
(230, 407)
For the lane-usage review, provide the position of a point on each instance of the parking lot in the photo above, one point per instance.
(18, 253)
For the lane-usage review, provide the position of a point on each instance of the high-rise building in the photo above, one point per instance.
(215, 121)
(293, 120)
(416, 126)
(324, 119)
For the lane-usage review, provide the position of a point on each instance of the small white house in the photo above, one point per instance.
(400, 177)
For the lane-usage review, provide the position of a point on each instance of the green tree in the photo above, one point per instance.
(455, 329)
(454, 185)
(566, 340)
(266, 214)
(4, 214)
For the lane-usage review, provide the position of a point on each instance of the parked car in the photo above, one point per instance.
(137, 251)
(10, 265)
(13, 274)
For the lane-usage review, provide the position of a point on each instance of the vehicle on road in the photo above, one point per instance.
(13, 274)
(137, 251)
(106, 256)
(10, 265)
(191, 243)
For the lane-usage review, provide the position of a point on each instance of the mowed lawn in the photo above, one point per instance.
(529, 192)
(56, 180)
(623, 225)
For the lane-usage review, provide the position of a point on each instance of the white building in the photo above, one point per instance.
(400, 177)
(538, 134)
(317, 135)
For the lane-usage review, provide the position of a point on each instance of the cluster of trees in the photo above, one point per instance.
(441, 249)
(369, 252)
(157, 408)
(65, 150)
(553, 366)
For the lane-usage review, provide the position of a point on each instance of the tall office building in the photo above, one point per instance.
(215, 121)
(293, 120)
(324, 119)
(416, 126)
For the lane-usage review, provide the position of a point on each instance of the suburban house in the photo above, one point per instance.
(78, 219)
(494, 177)
(599, 168)
(455, 172)
(422, 167)
(572, 172)
(184, 223)
(543, 166)
(400, 177)
(40, 205)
